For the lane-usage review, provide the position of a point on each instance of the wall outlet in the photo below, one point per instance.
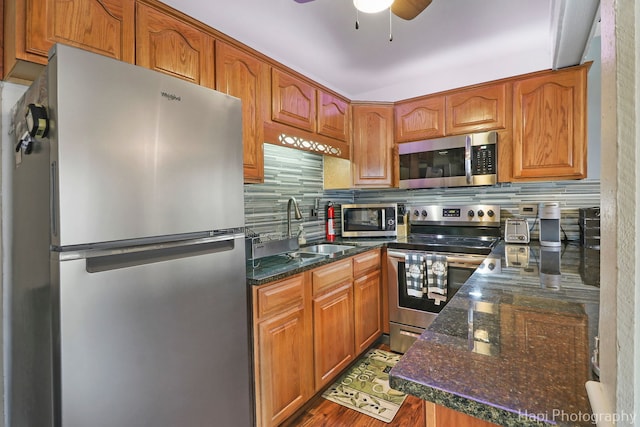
(528, 209)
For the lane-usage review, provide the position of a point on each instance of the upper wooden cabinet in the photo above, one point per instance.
(549, 125)
(477, 109)
(293, 101)
(421, 118)
(33, 26)
(174, 46)
(246, 77)
(372, 145)
(333, 116)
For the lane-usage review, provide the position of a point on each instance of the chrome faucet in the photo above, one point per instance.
(298, 214)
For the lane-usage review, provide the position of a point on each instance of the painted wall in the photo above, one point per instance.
(620, 220)
(594, 99)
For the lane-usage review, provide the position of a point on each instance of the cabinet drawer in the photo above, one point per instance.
(280, 296)
(366, 262)
(325, 277)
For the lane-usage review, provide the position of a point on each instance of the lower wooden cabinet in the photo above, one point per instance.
(333, 342)
(308, 328)
(367, 299)
(440, 416)
(283, 359)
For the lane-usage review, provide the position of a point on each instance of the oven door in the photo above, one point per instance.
(409, 315)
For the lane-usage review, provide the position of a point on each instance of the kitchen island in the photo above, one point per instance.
(513, 347)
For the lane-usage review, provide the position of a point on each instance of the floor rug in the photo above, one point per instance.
(365, 386)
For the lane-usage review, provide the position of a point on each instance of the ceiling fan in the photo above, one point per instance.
(405, 9)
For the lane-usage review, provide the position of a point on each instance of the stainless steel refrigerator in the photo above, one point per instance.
(128, 296)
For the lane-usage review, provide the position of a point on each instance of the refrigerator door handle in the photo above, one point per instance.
(53, 206)
(159, 253)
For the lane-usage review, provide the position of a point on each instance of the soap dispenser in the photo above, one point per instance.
(302, 238)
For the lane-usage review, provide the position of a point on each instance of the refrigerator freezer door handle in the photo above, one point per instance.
(131, 259)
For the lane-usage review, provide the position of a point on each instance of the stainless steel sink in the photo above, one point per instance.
(325, 248)
(305, 255)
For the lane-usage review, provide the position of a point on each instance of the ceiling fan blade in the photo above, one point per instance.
(408, 9)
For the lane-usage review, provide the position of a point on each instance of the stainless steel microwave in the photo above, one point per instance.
(369, 220)
(455, 161)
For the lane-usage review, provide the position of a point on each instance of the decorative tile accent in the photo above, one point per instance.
(289, 172)
(305, 144)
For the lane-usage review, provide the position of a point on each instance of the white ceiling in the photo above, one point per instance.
(453, 43)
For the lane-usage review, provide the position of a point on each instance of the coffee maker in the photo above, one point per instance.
(549, 223)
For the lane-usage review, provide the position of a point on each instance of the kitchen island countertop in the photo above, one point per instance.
(513, 347)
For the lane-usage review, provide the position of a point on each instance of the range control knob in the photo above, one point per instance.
(416, 213)
(490, 213)
(424, 213)
(471, 214)
(480, 213)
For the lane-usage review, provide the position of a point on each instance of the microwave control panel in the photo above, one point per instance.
(483, 159)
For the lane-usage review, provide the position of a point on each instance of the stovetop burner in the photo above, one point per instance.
(454, 244)
(468, 229)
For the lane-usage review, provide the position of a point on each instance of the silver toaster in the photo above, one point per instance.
(516, 230)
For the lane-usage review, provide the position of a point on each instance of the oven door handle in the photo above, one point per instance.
(395, 254)
(471, 262)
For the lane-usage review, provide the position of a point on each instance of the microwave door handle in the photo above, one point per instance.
(384, 220)
(467, 159)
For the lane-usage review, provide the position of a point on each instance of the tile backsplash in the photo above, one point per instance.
(290, 172)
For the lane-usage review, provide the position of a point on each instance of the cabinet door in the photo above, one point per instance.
(284, 362)
(333, 336)
(372, 148)
(420, 119)
(246, 77)
(172, 46)
(476, 110)
(441, 416)
(283, 358)
(333, 116)
(367, 310)
(101, 26)
(293, 101)
(549, 139)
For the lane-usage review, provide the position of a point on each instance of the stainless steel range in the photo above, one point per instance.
(446, 245)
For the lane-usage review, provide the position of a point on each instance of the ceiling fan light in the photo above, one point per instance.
(372, 6)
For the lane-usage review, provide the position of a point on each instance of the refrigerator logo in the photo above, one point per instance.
(171, 97)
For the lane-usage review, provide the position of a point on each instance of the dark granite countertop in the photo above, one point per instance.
(513, 347)
(278, 267)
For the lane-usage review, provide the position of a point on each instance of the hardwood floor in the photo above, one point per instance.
(321, 412)
(324, 413)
